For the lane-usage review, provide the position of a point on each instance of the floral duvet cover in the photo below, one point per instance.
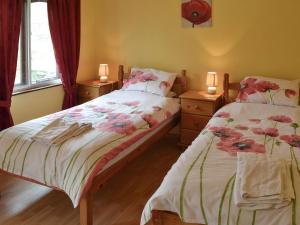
(199, 187)
(119, 119)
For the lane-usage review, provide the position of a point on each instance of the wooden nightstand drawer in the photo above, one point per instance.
(197, 107)
(196, 110)
(187, 136)
(106, 89)
(194, 122)
(88, 92)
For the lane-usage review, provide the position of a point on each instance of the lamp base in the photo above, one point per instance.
(212, 90)
(103, 79)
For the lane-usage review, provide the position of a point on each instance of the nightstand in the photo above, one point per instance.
(197, 108)
(88, 90)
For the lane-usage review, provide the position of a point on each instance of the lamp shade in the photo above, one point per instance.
(103, 70)
(212, 79)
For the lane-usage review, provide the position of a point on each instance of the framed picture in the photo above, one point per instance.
(196, 13)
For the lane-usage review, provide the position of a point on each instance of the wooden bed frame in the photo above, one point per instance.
(170, 218)
(86, 201)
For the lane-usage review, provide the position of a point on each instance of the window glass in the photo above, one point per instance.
(18, 72)
(36, 65)
(43, 64)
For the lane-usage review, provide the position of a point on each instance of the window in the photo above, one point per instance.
(36, 62)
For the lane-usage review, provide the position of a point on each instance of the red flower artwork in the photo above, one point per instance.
(271, 132)
(264, 86)
(281, 119)
(292, 140)
(196, 11)
(232, 146)
(290, 93)
(247, 88)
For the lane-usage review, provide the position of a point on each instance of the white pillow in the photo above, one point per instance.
(150, 80)
(269, 91)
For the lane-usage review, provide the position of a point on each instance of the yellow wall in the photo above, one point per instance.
(39, 103)
(247, 37)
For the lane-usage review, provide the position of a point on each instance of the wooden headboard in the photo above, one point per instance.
(229, 88)
(179, 86)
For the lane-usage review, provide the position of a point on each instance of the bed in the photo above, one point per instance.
(81, 165)
(198, 190)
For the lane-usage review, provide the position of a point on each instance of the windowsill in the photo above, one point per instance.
(36, 87)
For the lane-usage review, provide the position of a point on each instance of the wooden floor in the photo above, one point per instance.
(119, 202)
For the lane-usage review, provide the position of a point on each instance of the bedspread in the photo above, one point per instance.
(199, 187)
(118, 120)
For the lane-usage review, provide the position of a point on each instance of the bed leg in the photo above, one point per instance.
(156, 218)
(86, 210)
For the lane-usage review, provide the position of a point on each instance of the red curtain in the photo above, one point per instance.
(10, 25)
(64, 23)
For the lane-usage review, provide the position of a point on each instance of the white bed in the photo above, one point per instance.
(199, 187)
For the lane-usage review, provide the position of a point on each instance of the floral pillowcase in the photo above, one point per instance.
(150, 80)
(269, 91)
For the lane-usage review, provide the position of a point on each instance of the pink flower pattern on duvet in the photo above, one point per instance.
(150, 120)
(222, 115)
(134, 103)
(281, 119)
(102, 110)
(240, 145)
(225, 133)
(233, 142)
(271, 132)
(120, 126)
(293, 140)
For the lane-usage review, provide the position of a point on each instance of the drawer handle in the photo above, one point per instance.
(87, 93)
(197, 107)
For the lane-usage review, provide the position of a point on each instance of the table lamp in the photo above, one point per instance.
(212, 82)
(103, 72)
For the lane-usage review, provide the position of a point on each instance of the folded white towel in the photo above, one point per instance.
(59, 131)
(262, 182)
